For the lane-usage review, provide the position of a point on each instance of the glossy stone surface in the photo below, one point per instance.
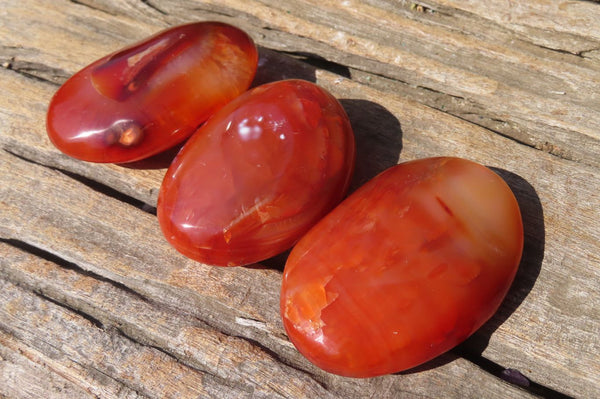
(148, 97)
(258, 174)
(404, 269)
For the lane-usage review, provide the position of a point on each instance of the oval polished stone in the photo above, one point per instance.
(148, 97)
(258, 174)
(404, 269)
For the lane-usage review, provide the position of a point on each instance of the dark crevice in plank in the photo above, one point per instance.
(95, 322)
(431, 90)
(159, 349)
(215, 11)
(110, 192)
(65, 264)
(563, 51)
(40, 253)
(126, 384)
(94, 185)
(152, 6)
(512, 376)
(584, 53)
(281, 360)
(285, 32)
(36, 71)
(103, 375)
(39, 293)
(347, 72)
(91, 6)
(116, 327)
(110, 326)
(172, 356)
(546, 147)
(39, 71)
(164, 351)
(217, 378)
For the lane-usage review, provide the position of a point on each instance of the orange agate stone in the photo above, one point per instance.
(404, 269)
(148, 97)
(258, 174)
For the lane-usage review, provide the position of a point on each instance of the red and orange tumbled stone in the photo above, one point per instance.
(258, 174)
(404, 269)
(151, 96)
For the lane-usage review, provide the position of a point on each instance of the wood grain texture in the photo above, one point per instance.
(94, 301)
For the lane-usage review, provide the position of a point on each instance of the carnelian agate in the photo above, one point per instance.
(404, 269)
(258, 174)
(148, 97)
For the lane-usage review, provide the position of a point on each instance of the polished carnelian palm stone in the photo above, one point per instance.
(148, 97)
(404, 269)
(258, 174)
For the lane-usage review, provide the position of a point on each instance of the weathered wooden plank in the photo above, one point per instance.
(462, 144)
(239, 302)
(536, 95)
(105, 363)
(235, 362)
(80, 383)
(549, 325)
(23, 374)
(538, 20)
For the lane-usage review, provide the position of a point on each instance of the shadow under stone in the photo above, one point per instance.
(378, 137)
(529, 268)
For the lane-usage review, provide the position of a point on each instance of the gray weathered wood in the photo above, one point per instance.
(238, 302)
(92, 294)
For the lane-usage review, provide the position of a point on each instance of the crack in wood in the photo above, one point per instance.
(322, 63)
(92, 184)
(35, 358)
(36, 71)
(113, 326)
(544, 147)
(282, 360)
(123, 382)
(205, 370)
(501, 372)
(173, 356)
(214, 11)
(27, 69)
(95, 322)
(109, 191)
(108, 326)
(83, 3)
(155, 8)
(65, 264)
(217, 378)
(584, 53)
(462, 116)
(429, 89)
(578, 54)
